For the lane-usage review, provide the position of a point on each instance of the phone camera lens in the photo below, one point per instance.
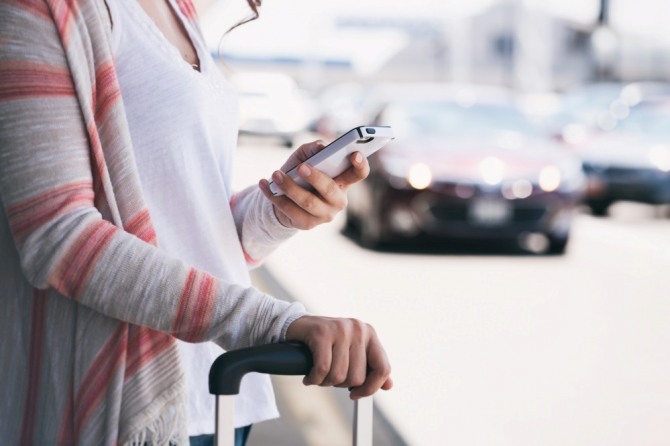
(370, 131)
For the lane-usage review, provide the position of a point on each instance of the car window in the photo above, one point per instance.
(650, 119)
(450, 120)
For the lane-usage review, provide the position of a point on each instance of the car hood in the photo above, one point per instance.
(463, 159)
(619, 149)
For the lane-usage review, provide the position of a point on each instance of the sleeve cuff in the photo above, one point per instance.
(274, 227)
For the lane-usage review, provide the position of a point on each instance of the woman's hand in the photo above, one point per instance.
(346, 353)
(304, 209)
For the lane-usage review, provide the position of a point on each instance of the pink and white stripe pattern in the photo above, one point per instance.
(91, 306)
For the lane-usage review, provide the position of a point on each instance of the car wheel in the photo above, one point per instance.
(599, 208)
(369, 224)
(369, 235)
(557, 245)
(350, 222)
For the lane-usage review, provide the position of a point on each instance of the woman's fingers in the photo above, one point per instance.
(322, 186)
(359, 170)
(331, 188)
(346, 353)
(358, 366)
(299, 208)
(318, 198)
(305, 208)
(378, 372)
(339, 368)
(301, 154)
(322, 358)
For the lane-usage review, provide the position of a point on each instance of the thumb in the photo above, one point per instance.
(302, 153)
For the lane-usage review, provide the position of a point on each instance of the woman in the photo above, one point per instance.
(124, 250)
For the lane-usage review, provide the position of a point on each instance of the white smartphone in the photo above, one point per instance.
(334, 158)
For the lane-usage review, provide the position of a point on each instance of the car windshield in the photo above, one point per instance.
(652, 119)
(591, 99)
(438, 119)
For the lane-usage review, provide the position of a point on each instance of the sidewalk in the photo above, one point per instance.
(311, 416)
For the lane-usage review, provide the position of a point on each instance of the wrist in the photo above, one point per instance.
(281, 218)
(297, 330)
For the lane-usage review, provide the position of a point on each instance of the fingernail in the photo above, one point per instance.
(358, 158)
(277, 177)
(304, 170)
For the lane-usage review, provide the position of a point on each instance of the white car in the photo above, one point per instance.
(272, 104)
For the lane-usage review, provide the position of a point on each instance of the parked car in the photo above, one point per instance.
(339, 108)
(622, 134)
(630, 162)
(272, 105)
(466, 164)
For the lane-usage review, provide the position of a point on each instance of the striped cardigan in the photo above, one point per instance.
(90, 307)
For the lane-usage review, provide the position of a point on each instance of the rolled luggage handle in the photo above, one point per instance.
(282, 358)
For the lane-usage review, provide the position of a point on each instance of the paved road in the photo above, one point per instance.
(495, 349)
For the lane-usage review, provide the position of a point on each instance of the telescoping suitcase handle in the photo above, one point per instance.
(283, 358)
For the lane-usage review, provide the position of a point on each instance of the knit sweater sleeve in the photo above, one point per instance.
(65, 238)
(258, 228)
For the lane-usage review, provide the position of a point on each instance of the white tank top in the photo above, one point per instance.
(184, 125)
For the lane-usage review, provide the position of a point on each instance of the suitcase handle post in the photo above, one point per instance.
(227, 371)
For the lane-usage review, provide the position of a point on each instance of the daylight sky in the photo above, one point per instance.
(304, 27)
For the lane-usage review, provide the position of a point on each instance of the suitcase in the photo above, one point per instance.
(283, 358)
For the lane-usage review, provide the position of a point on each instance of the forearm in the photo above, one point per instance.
(88, 259)
(119, 275)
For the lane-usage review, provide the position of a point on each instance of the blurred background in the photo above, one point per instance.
(510, 245)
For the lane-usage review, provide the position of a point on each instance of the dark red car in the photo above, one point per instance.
(466, 164)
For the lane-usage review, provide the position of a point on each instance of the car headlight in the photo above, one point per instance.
(550, 178)
(659, 155)
(492, 170)
(403, 173)
(518, 189)
(419, 176)
(568, 177)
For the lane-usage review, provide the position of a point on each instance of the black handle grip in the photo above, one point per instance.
(283, 358)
